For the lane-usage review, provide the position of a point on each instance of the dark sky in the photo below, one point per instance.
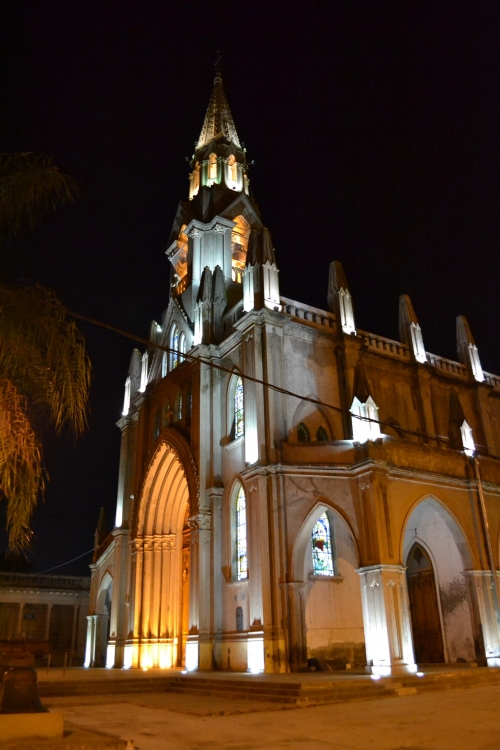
(375, 132)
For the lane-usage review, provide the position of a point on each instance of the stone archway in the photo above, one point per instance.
(161, 555)
(98, 626)
(432, 528)
(328, 627)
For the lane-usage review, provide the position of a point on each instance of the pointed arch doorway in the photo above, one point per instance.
(161, 558)
(425, 619)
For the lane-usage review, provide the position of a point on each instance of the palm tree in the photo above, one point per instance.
(44, 367)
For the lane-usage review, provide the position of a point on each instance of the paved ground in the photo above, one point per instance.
(456, 720)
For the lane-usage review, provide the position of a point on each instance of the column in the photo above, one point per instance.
(47, 625)
(294, 614)
(386, 619)
(20, 620)
(136, 587)
(90, 644)
(482, 595)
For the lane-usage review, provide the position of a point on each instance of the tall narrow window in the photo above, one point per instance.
(241, 536)
(182, 346)
(164, 366)
(239, 413)
(212, 167)
(303, 434)
(321, 541)
(174, 346)
(321, 434)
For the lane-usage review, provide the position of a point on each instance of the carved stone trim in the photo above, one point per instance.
(201, 521)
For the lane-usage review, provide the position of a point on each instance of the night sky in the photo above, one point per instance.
(374, 127)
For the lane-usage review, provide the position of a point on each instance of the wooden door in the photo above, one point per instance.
(426, 624)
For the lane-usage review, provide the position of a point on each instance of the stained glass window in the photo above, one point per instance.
(239, 415)
(303, 433)
(321, 433)
(164, 364)
(174, 345)
(241, 536)
(179, 406)
(182, 346)
(321, 542)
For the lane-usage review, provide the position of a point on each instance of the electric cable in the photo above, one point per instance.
(65, 563)
(141, 340)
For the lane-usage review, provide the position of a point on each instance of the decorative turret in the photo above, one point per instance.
(409, 329)
(210, 306)
(340, 300)
(220, 158)
(459, 430)
(467, 349)
(363, 408)
(133, 381)
(100, 533)
(260, 278)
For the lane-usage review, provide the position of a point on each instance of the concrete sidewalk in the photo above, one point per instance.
(461, 720)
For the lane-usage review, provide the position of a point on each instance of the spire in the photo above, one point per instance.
(409, 329)
(218, 119)
(467, 349)
(100, 533)
(340, 300)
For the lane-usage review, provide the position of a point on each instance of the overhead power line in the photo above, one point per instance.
(258, 381)
(65, 563)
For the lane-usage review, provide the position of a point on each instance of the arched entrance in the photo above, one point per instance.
(444, 623)
(328, 631)
(161, 556)
(424, 609)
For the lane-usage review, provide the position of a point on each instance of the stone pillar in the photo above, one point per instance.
(386, 618)
(90, 644)
(294, 609)
(481, 592)
(47, 624)
(136, 587)
(20, 620)
(200, 603)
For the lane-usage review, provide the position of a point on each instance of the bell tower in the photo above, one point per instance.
(216, 228)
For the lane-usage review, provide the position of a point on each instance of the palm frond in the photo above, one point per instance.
(21, 468)
(30, 186)
(43, 353)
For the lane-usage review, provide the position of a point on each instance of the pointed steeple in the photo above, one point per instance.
(340, 300)
(100, 533)
(260, 278)
(409, 329)
(219, 160)
(218, 119)
(467, 349)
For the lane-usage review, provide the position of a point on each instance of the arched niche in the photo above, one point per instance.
(161, 553)
(314, 417)
(326, 610)
(432, 527)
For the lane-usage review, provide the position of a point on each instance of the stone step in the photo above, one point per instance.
(103, 687)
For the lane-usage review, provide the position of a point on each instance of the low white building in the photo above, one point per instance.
(47, 612)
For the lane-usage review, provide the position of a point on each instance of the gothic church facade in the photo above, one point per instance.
(293, 490)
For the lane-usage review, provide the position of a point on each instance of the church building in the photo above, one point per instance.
(293, 492)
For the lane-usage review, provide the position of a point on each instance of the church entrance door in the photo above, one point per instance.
(425, 620)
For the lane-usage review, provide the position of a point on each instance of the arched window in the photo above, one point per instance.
(241, 536)
(303, 433)
(156, 424)
(164, 364)
(239, 411)
(233, 168)
(321, 434)
(239, 245)
(321, 543)
(212, 167)
(182, 346)
(166, 413)
(178, 406)
(174, 346)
